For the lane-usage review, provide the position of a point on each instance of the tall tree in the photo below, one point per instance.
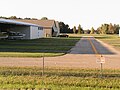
(64, 28)
(111, 29)
(98, 30)
(116, 28)
(104, 28)
(79, 29)
(92, 31)
(74, 29)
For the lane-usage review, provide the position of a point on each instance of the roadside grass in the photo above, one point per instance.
(24, 54)
(113, 40)
(36, 48)
(58, 79)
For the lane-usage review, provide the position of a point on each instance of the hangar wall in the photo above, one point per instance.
(36, 32)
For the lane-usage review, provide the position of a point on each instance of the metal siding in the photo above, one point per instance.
(35, 33)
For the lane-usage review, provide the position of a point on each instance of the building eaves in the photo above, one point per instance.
(7, 21)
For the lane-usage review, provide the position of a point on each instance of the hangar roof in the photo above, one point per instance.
(44, 23)
(7, 21)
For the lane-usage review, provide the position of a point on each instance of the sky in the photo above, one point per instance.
(87, 13)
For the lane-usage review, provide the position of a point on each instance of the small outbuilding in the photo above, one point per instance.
(17, 28)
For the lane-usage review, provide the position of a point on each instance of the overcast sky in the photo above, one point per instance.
(88, 13)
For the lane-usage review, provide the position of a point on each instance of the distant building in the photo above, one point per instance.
(50, 27)
(21, 29)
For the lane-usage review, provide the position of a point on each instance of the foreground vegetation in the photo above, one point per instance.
(36, 48)
(58, 79)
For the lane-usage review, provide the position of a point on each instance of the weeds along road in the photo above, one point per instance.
(82, 55)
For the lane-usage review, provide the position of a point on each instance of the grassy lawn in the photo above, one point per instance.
(36, 48)
(58, 79)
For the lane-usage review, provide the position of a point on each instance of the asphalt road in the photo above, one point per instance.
(89, 45)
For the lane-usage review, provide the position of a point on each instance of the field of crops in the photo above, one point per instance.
(36, 48)
(24, 78)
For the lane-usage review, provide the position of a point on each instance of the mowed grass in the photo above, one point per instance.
(24, 78)
(36, 48)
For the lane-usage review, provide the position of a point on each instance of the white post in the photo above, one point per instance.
(101, 69)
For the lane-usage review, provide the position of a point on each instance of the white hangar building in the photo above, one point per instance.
(27, 30)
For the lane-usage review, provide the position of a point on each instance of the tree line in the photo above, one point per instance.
(108, 29)
(14, 17)
(64, 28)
(103, 29)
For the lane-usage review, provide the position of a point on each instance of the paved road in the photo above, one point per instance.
(89, 45)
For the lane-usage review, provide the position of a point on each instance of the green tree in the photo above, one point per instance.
(12, 17)
(64, 28)
(80, 29)
(104, 28)
(74, 29)
(111, 29)
(98, 30)
(92, 31)
(87, 31)
(4, 17)
(27, 18)
(44, 18)
(108, 29)
(116, 28)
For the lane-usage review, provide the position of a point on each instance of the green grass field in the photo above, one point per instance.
(36, 48)
(58, 79)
